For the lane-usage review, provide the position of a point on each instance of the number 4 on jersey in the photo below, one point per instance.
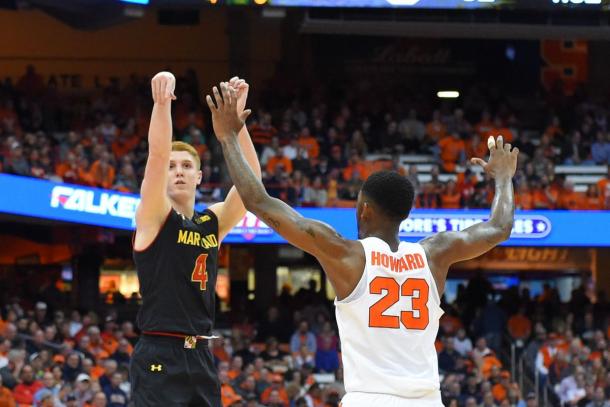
(200, 274)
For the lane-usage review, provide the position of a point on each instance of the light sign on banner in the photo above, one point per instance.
(110, 209)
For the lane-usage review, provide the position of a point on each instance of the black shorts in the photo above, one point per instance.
(164, 373)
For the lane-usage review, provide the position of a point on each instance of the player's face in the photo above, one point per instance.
(184, 176)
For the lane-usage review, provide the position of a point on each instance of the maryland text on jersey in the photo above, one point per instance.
(196, 239)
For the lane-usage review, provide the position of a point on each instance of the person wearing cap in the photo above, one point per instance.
(71, 400)
(44, 398)
(49, 386)
(531, 400)
(83, 391)
(40, 313)
(6, 397)
(24, 391)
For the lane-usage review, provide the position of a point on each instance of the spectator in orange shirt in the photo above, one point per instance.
(520, 326)
(356, 169)
(570, 199)
(450, 323)
(603, 185)
(435, 129)
(453, 151)
(500, 129)
(524, 198)
(553, 130)
(593, 199)
(544, 196)
(309, 142)
(279, 159)
(6, 397)
(96, 344)
(102, 172)
(476, 147)
(228, 394)
(124, 143)
(276, 392)
(24, 391)
(500, 390)
(485, 126)
(450, 198)
(262, 132)
(237, 364)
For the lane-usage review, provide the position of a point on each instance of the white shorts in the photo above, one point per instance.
(357, 399)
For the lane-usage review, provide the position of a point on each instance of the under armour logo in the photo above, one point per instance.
(155, 368)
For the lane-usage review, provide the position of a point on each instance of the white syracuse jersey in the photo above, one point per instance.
(388, 324)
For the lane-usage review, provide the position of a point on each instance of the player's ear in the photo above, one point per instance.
(367, 211)
(199, 176)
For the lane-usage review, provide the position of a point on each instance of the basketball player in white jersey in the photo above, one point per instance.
(388, 292)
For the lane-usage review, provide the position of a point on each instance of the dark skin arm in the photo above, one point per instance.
(447, 248)
(342, 259)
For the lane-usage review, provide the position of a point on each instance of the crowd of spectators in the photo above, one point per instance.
(50, 356)
(313, 150)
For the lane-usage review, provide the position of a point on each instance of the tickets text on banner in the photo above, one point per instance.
(77, 204)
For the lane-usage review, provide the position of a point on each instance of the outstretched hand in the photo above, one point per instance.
(227, 118)
(502, 160)
(241, 88)
(163, 85)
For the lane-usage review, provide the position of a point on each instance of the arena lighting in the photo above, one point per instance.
(448, 94)
(136, 1)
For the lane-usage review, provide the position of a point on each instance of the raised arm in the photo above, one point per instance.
(232, 210)
(447, 248)
(155, 204)
(341, 259)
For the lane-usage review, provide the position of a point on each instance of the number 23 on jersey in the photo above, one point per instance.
(416, 288)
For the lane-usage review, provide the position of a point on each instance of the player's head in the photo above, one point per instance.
(184, 171)
(384, 201)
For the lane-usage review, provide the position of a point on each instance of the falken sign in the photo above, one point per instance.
(78, 204)
(94, 202)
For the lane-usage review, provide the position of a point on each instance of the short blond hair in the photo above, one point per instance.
(182, 146)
